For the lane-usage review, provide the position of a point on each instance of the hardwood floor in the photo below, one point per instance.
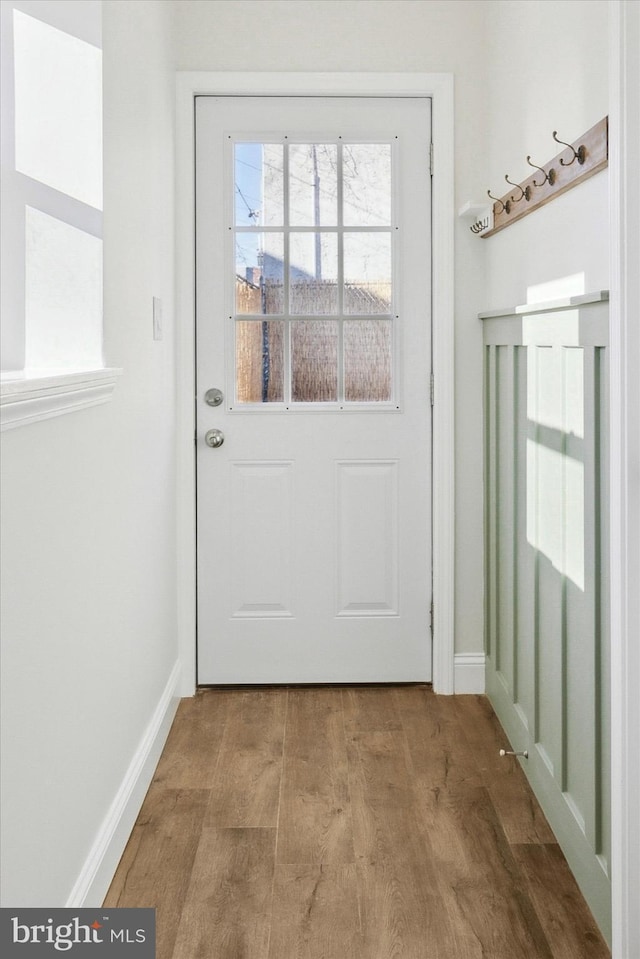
(348, 823)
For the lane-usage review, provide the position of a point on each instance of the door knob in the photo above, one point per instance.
(214, 438)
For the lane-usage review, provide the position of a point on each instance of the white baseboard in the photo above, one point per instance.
(468, 675)
(95, 877)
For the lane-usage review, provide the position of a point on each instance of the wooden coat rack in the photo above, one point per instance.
(577, 162)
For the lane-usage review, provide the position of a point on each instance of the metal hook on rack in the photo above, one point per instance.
(526, 193)
(480, 225)
(506, 207)
(549, 177)
(580, 154)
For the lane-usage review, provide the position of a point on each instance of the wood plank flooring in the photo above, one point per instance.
(348, 823)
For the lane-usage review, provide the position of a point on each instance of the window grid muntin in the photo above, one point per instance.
(341, 317)
(286, 273)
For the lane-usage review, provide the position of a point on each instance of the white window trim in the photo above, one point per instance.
(439, 87)
(30, 396)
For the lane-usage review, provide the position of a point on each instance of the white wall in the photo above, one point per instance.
(549, 71)
(88, 589)
(385, 36)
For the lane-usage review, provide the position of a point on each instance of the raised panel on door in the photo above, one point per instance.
(261, 538)
(367, 563)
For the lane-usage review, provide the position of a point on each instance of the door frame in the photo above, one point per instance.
(439, 88)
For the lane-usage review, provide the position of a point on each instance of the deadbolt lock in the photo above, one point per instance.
(213, 397)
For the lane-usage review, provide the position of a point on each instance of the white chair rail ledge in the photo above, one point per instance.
(28, 396)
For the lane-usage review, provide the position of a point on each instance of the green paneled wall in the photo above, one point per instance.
(546, 569)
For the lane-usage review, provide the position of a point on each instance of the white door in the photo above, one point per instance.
(313, 294)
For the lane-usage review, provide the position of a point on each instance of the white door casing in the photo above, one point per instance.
(439, 87)
(313, 517)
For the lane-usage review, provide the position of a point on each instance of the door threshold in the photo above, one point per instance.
(201, 687)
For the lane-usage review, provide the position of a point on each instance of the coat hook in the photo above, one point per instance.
(506, 207)
(549, 177)
(580, 154)
(480, 225)
(526, 193)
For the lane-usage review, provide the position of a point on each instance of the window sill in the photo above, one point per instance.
(32, 395)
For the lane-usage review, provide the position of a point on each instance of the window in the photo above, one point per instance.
(313, 298)
(51, 208)
(52, 186)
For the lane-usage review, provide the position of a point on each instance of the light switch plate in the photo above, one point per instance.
(157, 318)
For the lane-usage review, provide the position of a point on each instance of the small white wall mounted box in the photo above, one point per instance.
(480, 216)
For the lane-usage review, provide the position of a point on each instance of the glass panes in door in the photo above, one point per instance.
(314, 240)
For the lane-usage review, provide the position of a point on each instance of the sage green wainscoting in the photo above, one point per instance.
(546, 591)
